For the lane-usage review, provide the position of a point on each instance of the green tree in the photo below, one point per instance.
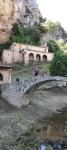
(42, 19)
(50, 25)
(42, 28)
(36, 35)
(5, 45)
(58, 65)
(16, 29)
(53, 46)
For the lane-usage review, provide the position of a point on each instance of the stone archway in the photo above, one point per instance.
(22, 57)
(37, 57)
(0, 56)
(44, 58)
(31, 56)
(1, 77)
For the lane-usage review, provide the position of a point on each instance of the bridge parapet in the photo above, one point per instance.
(58, 78)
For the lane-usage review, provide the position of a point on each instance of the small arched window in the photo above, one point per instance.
(1, 77)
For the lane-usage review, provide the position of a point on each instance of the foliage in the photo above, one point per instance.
(30, 139)
(59, 64)
(28, 35)
(64, 47)
(32, 35)
(16, 29)
(53, 46)
(27, 141)
(42, 28)
(36, 35)
(5, 46)
(60, 42)
(49, 24)
(47, 68)
(42, 20)
(56, 26)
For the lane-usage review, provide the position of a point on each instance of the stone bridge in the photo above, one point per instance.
(18, 95)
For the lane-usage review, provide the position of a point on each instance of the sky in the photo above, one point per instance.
(54, 10)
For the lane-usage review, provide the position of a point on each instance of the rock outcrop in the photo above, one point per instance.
(25, 12)
(56, 33)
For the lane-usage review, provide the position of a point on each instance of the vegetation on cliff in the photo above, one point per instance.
(32, 35)
(53, 46)
(26, 35)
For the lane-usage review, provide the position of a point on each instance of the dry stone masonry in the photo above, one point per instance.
(18, 94)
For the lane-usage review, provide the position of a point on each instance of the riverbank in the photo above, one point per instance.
(15, 124)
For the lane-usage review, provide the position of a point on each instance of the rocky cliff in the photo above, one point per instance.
(55, 32)
(26, 12)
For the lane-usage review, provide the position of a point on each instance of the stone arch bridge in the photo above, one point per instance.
(18, 95)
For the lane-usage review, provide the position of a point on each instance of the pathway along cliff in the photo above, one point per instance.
(18, 124)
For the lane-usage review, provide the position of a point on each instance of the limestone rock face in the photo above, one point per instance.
(25, 12)
(6, 9)
(55, 34)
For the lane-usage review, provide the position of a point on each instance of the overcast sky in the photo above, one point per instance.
(55, 10)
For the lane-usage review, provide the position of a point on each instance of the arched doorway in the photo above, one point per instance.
(0, 56)
(37, 57)
(1, 77)
(44, 58)
(23, 58)
(31, 56)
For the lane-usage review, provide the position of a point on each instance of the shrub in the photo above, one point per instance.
(58, 65)
(53, 46)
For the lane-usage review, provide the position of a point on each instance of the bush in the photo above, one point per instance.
(6, 45)
(58, 65)
(36, 35)
(53, 46)
(42, 28)
(16, 29)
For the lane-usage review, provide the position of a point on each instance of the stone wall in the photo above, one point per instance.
(21, 53)
(18, 94)
(6, 74)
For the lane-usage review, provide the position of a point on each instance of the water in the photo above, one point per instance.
(58, 123)
(41, 146)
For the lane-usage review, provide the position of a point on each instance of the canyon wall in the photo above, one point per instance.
(24, 12)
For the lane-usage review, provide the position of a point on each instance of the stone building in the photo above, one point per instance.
(5, 73)
(24, 53)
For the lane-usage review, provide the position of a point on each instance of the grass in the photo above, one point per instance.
(23, 72)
